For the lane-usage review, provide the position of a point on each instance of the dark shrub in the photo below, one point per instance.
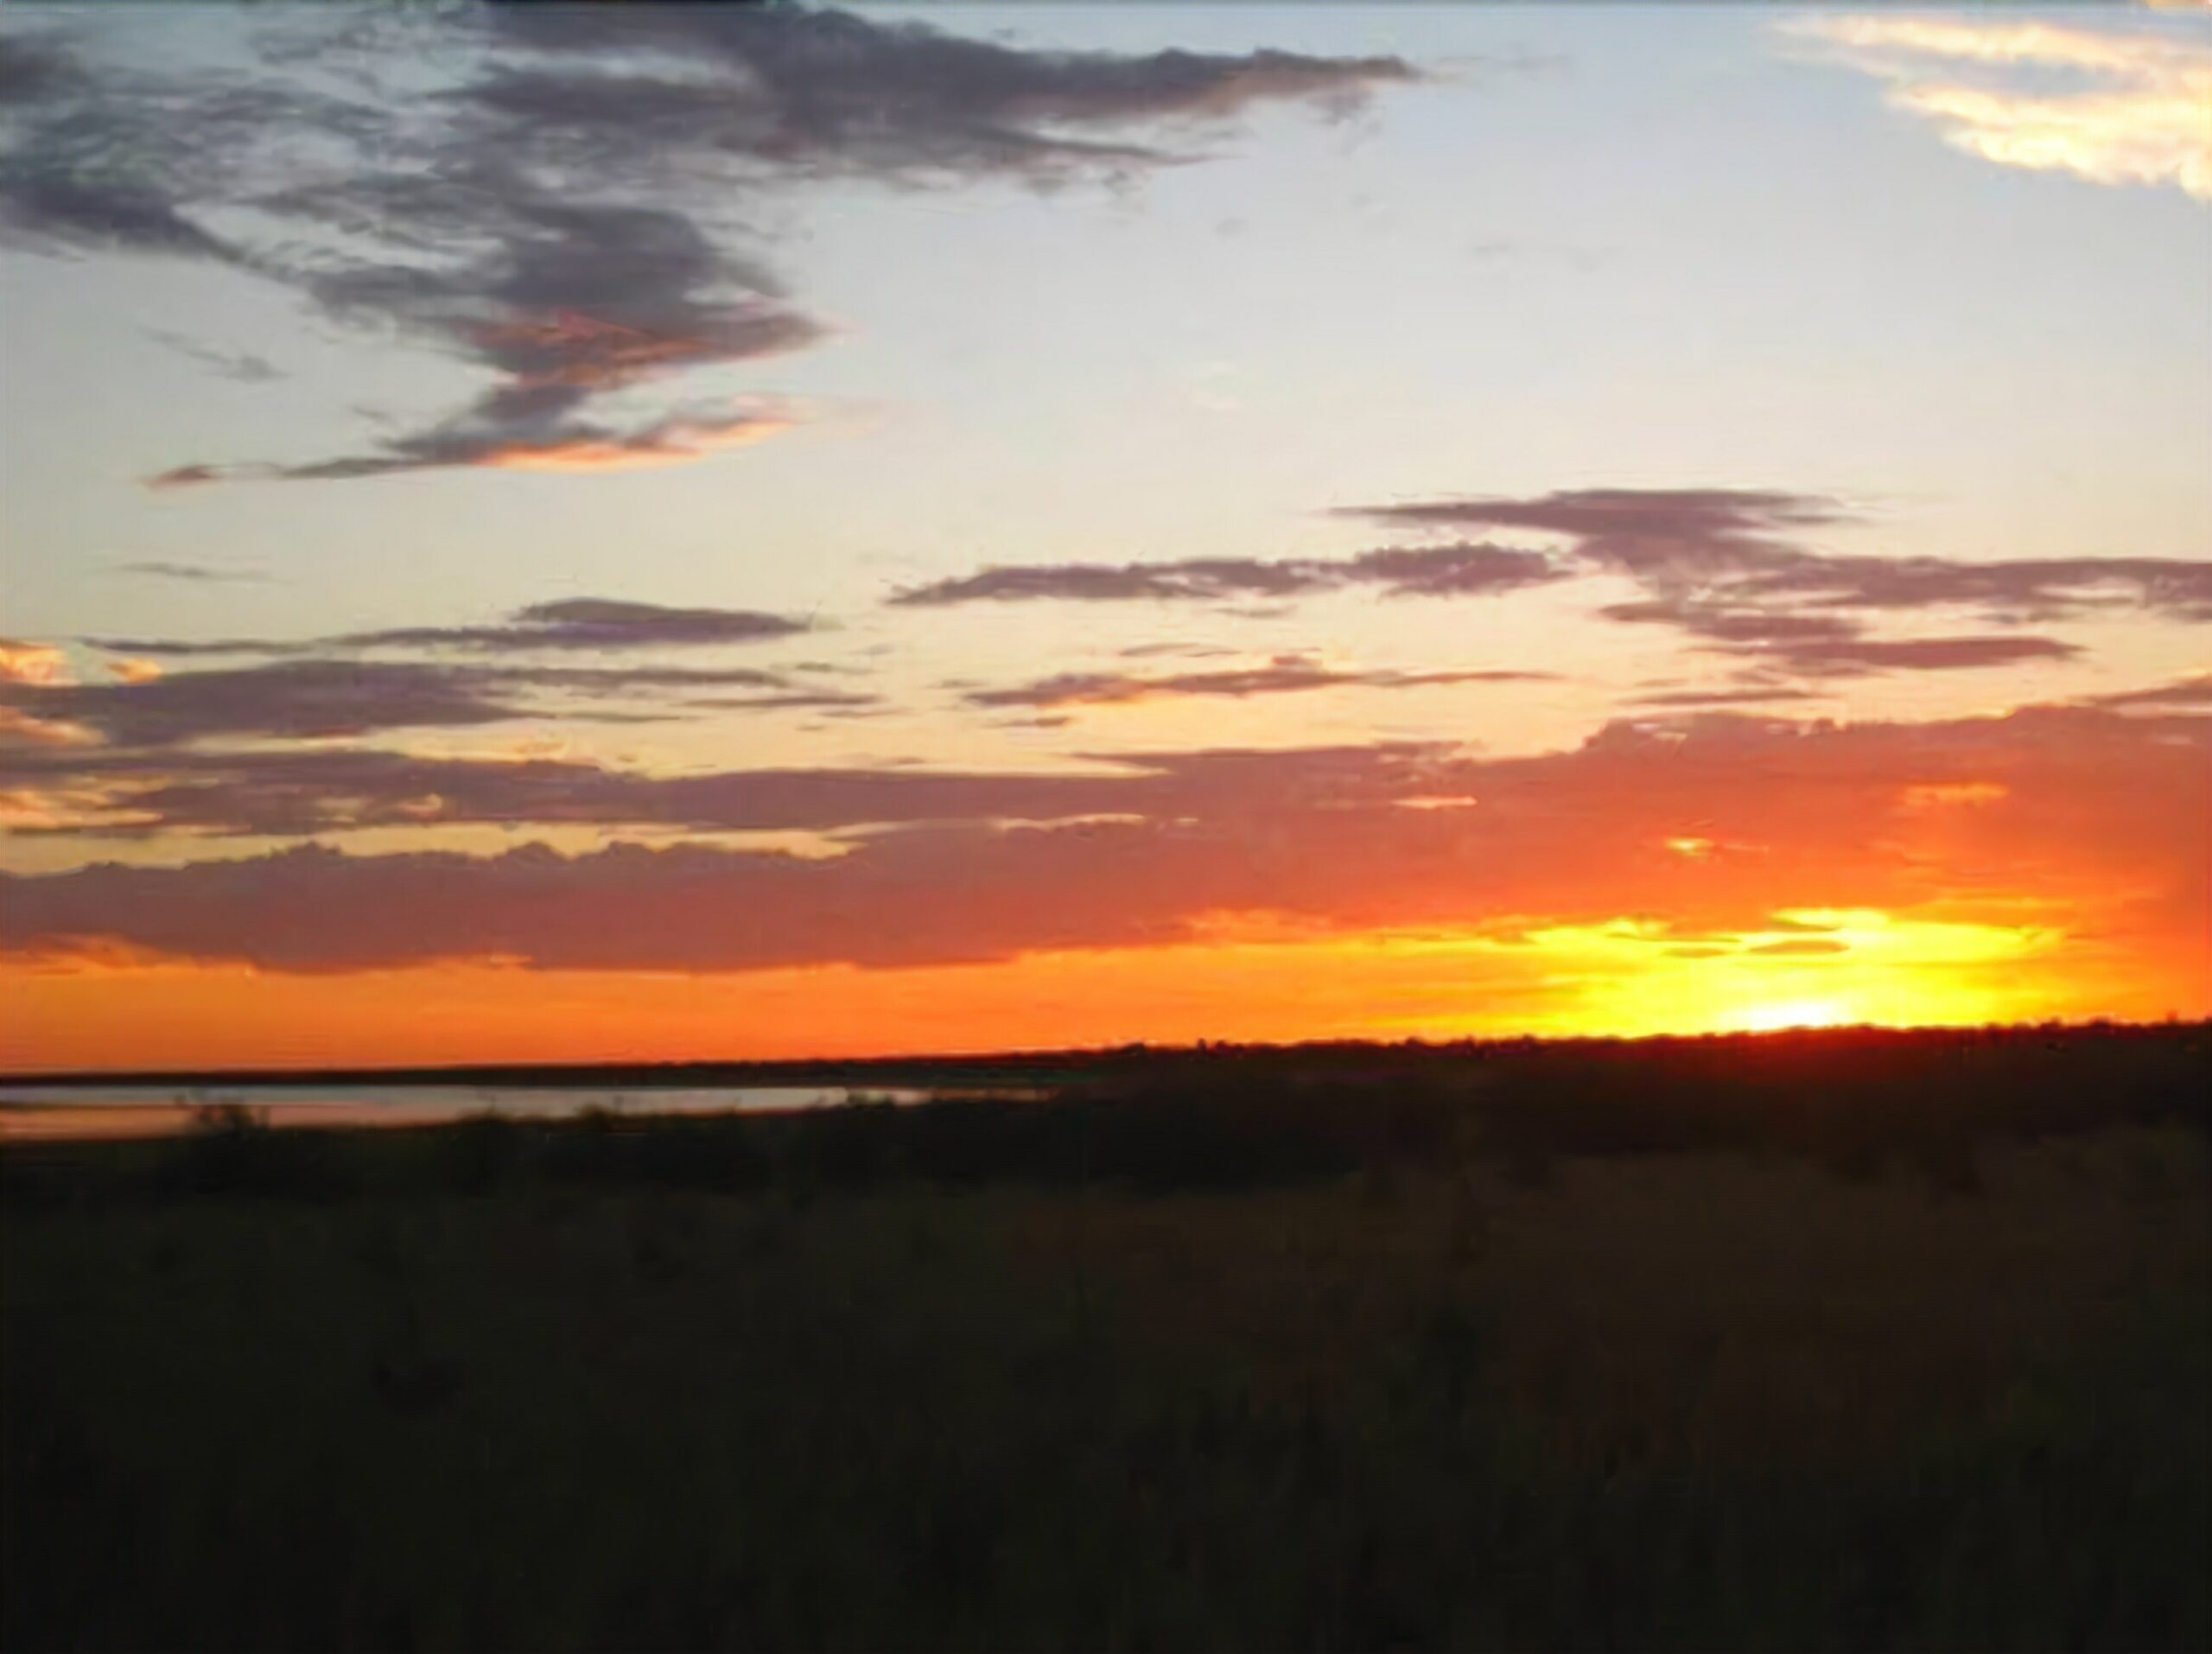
(481, 1151)
(232, 1149)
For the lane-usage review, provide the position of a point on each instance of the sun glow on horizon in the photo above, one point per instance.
(1776, 1014)
(1249, 978)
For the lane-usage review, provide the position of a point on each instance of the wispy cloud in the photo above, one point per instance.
(1725, 566)
(1397, 571)
(1827, 645)
(322, 687)
(2192, 692)
(562, 624)
(563, 202)
(198, 573)
(1715, 547)
(315, 697)
(1711, 700)
(2141, 112)
(276, 791)
(290, 699)
(242, 366)
(1284, 675)
(495, 436)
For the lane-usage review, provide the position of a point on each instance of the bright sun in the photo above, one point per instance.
(1788, 1013)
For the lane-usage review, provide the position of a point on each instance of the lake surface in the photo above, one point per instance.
(56, 1112)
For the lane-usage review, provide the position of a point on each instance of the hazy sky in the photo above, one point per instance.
(763, 530)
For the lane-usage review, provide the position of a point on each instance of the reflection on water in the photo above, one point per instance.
(56, 1112)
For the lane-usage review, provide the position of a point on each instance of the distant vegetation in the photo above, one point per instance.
(1859, 1101)
(1823, 1340)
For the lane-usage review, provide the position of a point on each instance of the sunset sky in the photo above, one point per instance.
(620, 531)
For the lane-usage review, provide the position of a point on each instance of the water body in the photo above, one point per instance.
(28, 1112)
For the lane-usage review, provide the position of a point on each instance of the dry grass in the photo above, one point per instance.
(1709, 1400)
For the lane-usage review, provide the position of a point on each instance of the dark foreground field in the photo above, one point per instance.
(1822, 1341)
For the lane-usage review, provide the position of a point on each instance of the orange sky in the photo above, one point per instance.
(1244, 981)
(1138, 522)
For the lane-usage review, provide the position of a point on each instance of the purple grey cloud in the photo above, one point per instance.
(1718, 565)
(1711, 551)
(278, 792)
(1153, 848)
(192, 572)
(2191, 693)
(299, 699)
(313, 698)
(1414, 571)
(569, 210)
(563, 623)
(1285, 674)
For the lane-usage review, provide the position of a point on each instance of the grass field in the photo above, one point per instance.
(818, 1383)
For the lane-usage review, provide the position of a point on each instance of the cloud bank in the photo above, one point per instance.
(2092, 822)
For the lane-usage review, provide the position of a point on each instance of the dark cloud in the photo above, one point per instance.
(1851, 657)
(513, 443)
(1285, 674)
(1451, 570)
(2033, 588)
(567, 210)
(1720, 565)
(563, 623)
(1714, 556)
(195, 572)
(93, 157)
(1698, 700)
(1427, 572)
(609, 679)
(1634, 526)
(571, 300)
(1716, 564)
(594, 623)
(181, 648)
(2103, 817)
(824, 90)
(34, 71)
(2190, 692)
(316, 697)
(278, 792)
(1187, 651)
(289, 699)
(1830, 645)
(1758, 628)
(838, 702)
(111, 216)
(243, 366)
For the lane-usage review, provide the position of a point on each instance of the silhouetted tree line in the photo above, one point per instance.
(1225, 1118)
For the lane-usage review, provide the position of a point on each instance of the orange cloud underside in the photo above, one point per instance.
(1626, 976)
(677, 445)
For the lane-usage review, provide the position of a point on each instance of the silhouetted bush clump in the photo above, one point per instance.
(231, 1149)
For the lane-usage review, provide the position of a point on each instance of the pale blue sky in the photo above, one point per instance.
(1634, 246)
